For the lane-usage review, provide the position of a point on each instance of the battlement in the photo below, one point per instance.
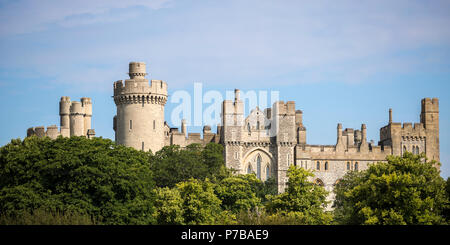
(76, 108)
(86, 100)
(138, 85)
(409, 129)
(176, 137)
(429, 104)
(141, 86)
(407, 125)
(39, 131)
(283, 108)
(138, 92)
(65, 99)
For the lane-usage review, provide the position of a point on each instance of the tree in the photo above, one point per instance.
(405, 190)
(95, 177)
(237, 193)
(302, 200)
(172, 164)
(200, 204)
(168, 207)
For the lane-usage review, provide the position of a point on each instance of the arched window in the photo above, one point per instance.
(258, 167)
(326, 165)
(417, 150)
(404, 149)
(318, 165)
(248, 127)
(257, 125)
(348, 165)
(356, 166)
(154, 124)
(267, 172)
(249, 169)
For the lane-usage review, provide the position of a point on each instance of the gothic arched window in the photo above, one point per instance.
(249, 169)
(318, 165)
(417, 150)
(267, 172)
(356, 166)
(258, 167)
(348, 165)
(326, 165)
(257, 125)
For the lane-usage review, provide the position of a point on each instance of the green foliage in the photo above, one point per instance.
(200, 204)
(88, 176)
(172, 165)
(237, 193)
(405, 190)
(169, 207)
(446, 210)
(302, 201)
(44, 217)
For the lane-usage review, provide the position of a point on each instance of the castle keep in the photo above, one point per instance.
(266, 142)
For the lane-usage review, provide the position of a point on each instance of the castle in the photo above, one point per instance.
(265, 142)
(75, 120)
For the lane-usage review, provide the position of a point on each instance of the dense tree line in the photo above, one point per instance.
(93, 181)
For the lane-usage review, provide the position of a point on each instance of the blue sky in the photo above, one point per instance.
(340, 61)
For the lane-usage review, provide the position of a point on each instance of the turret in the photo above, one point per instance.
(76, 119)
(87, 107)
(137, 70)
(429, 117)
(64, 111)
(340, 143)
(339, 134)
(301, 130)
(364, 147)
(139, 121)
(390, 115)
(183, 127)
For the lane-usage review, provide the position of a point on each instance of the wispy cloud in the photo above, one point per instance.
(233, 41)
(25, 16)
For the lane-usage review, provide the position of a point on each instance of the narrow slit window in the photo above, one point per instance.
(131, 124)
(154, 124)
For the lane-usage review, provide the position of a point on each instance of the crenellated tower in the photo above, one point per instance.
(429, 118)
(139, 122)
(232, 126)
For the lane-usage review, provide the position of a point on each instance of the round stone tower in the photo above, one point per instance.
(64, 111)
(76, 119)
(139, 122)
